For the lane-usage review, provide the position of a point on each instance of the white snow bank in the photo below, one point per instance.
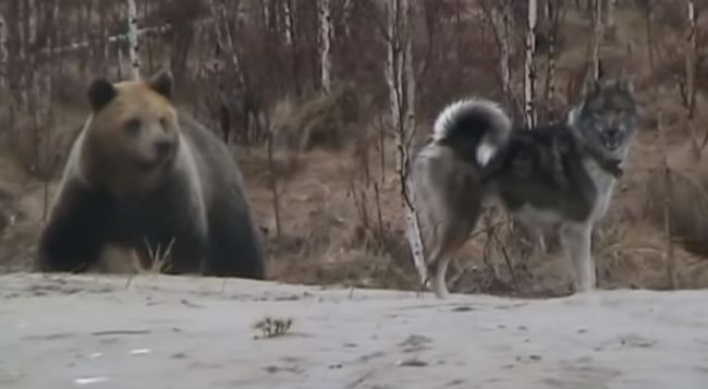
(175, 332)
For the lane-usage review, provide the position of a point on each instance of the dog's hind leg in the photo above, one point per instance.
(437, 269)
(576, 240)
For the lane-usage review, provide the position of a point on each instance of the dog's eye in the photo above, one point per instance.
(133, 126)
(163, 122)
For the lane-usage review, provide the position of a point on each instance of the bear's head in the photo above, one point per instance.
(132, 138)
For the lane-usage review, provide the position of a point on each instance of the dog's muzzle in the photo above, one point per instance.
(612, 138)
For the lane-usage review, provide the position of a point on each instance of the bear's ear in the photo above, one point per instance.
(100, 93)
(162, 84)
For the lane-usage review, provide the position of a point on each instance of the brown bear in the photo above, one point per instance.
(142, 176)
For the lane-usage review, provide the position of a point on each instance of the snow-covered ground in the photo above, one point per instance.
(158, 332)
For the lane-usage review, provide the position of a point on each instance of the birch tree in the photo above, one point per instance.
(289, 18)
(400, 77)
(133, 51)
(393, 58)
(325, 22)
(530, 66)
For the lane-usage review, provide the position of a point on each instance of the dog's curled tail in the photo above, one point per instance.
(479, 121)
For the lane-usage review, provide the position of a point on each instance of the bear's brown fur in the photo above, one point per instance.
(140, 176)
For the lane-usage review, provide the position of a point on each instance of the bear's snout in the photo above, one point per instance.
(163, 148)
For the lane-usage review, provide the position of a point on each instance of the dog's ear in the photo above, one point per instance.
(624, 83)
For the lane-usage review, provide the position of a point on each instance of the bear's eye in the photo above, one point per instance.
(163, 122)
(132, 126)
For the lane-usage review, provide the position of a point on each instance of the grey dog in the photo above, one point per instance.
(560, 174)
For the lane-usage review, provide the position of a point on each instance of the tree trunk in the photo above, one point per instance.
(611, 13)
(409, 72)
(4, 53)
(32, 24)
(347, 8)
(400, 77)
(289, 17)
(554, 10)
(648, 15)
(530, 68)
(133, 51)
(597, 39)
(105, 55)
(325, 20)
(392, 64)
(501, 20)
(691, 59)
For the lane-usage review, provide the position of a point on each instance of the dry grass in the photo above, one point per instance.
(689, 203)
(272, 327)
(328, 163)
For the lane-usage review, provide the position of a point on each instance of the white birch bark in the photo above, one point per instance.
(416, 238)
(4, 53)
(133, 52)
(400, 77)
(266, 13)
(325, 30)
(529, 68)
(289, 22)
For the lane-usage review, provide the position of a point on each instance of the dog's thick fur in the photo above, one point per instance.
(143, 174)
(560, 174)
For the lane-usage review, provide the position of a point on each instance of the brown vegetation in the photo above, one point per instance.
(251, 70)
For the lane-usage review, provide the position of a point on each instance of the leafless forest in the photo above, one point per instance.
(324, 103)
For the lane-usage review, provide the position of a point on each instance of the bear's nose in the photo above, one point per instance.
(163, 147)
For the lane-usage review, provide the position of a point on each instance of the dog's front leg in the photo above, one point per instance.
(576, 240)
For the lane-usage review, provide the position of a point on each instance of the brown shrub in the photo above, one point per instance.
(40, 151)
(688, 205)
(326, 121)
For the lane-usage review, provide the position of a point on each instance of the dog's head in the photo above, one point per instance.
(606, 117)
